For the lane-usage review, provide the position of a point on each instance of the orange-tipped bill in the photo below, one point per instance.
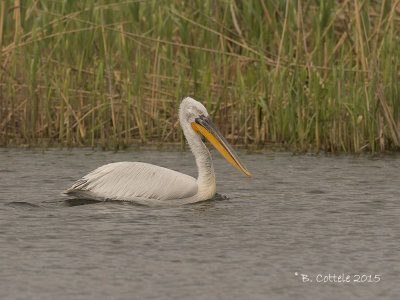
(206, 127)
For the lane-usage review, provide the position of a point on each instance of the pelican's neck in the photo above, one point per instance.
(204, 163)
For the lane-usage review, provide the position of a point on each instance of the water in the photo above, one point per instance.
(300, 214)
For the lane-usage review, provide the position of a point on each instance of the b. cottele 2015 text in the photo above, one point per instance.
(340, 278)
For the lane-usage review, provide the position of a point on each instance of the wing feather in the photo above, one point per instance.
(131, 180)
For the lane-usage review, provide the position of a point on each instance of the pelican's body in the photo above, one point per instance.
(143, 183)
(149, 184)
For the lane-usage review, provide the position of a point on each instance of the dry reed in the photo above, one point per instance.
(301, 75)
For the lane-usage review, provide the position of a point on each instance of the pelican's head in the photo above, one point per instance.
(194, 113)
(191, 109)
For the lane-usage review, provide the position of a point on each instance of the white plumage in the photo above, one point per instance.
(114, 182)
(153, 185)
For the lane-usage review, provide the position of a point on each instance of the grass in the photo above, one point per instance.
(303, 75)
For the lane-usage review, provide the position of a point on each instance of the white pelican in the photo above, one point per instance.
(152, 185)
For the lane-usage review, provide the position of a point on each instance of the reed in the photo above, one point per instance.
(300, 75)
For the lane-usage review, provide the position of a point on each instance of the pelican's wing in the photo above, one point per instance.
(131, 180)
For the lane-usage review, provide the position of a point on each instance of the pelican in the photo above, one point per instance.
(152, 185)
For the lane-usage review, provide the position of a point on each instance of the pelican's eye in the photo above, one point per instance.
(200, 118)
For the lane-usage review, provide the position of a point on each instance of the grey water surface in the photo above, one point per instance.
(277, 236)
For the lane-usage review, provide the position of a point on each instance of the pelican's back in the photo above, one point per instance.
(133, 180)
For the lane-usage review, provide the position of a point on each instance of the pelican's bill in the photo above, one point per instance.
(206, 127)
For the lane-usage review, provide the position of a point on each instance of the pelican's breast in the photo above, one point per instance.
(130, 180)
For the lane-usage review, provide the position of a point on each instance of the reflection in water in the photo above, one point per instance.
(84, 201)
(304, 214)
(76, 202)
